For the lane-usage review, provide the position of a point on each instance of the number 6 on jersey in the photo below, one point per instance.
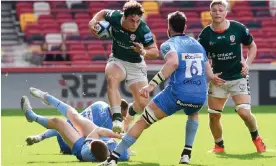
(193, 64)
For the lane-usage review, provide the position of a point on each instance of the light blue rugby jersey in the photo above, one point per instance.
(98, 113)
(189, 78)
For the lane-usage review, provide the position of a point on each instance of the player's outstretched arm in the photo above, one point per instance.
(169, 67)
(103, 132)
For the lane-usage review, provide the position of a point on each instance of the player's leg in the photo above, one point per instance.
(161, 106)
(241, 97)
(190, 132)
(191, 105)
(136, 80)
(42, 136)
(115, 73)
(151, 114)
(69, 134)
(83, 125)
(216, 101)
(139, 102)
(64, 148)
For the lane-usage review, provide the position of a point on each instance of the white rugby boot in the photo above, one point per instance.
(39, 94)
(185, 159)
(30, 140)
(110, 163)
(117, 126)
(26, 106)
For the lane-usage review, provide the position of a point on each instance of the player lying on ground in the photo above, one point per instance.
(98, 112)
(186, 68)
(132, 42)
(88, 143)
(223, 40)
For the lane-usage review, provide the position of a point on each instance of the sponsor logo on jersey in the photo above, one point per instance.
(189, 105)
(232, 38)
(221, 37)
(165, 49)
(148, 37)
(211, 43)
(195, 56)
(132, 37)
(192, 82)
(224, 56)
(88, 114)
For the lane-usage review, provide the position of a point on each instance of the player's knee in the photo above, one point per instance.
(112, 80)
(56, 120)
(214, 117)
(139, 105)
(149, 116)
(243, 107)
(214, 111)
(244, 111)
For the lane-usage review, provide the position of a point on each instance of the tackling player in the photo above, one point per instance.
(186, 68)
(88, 142)
(98, 113)
(222, 41)
(132, 42)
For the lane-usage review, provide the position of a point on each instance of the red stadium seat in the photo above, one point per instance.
(91, 47)
(77, 47)
(82, 16)
(80, 57)
(63, 16)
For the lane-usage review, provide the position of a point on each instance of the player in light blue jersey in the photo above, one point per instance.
(98, 112)
(86, 140)
(186, 68)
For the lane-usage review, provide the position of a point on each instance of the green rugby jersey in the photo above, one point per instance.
(123, 39)
(225, 49)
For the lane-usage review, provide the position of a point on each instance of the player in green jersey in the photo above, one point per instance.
(222, 41)
(132, 42)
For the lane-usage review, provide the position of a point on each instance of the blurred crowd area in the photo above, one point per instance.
(56, 32)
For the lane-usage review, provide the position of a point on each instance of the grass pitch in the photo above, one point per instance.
(159, 145)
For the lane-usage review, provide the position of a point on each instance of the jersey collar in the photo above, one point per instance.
(228, 25)
(183, 34)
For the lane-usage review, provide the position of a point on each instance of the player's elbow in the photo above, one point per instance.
(154, 53)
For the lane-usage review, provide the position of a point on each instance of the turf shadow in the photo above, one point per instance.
(49, 154)
(52, 162)
(247, 156)
(138, 163)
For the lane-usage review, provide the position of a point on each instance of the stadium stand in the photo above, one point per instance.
(66, 22)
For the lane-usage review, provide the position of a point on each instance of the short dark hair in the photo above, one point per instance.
(132, 7)
(177, 20)
(99, 150)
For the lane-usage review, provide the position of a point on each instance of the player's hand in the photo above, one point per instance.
(92, 26)
(144, 92)
(244, 71)
(217, 81)
(138, 47)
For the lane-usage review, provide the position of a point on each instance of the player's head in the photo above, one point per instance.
(218, 10)
(99, 149)
(133, 12)
(124, 107)
(176, 23)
